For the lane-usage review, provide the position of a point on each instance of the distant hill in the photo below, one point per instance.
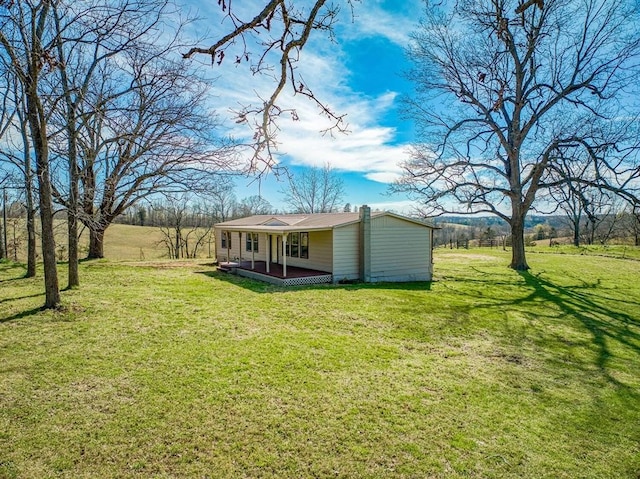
(531, 221)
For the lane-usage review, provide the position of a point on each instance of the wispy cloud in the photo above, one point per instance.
(405, 207)
(371, 19)
(370, 147)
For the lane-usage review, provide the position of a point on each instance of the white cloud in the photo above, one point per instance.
(371, 19)
(383, 176)
(369, 147)
(404, 207)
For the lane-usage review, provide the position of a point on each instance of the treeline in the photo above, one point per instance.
(621, 227)
(186, 221)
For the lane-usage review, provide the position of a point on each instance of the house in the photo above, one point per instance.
(326, 247)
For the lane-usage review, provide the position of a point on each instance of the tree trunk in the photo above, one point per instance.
(41, 148)
(52, 290)
(96, 243)
(72, 150)
(2, 252)
(31, 239)
(518, 259)
(72, 227)
(31, 218)
(576, 234)
(72, 212)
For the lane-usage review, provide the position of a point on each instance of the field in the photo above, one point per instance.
(163, 369)
(122, 242)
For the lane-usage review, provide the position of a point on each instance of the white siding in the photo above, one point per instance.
(239, 246)
(261, 254)
(320, 253)
(221, 253)
(346, 247)
(400, 250)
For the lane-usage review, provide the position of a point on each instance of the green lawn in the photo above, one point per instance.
(612, 251)
(159, 371)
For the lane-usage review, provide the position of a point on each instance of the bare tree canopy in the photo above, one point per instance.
(253, 205)
(316, 190)
(106, 105)
(26, 41)
(271, 43)
(506, 89)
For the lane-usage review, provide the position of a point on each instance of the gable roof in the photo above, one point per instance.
(304, 222)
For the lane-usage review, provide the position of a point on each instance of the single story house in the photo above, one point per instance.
(294, 249)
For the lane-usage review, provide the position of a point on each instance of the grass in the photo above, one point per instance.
(184, 372)
(611, 251)
(122, 243)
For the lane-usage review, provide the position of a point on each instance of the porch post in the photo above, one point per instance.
(253, 252)
(240, 248)
(228, 235)
(284, 254)
(267, 250)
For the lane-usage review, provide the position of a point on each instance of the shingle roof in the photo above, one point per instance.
(315, 220)
(300, 222)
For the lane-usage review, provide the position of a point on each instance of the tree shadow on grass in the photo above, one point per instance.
(262, 287)
(6, 267)
(20, 315)
(6, 300)
(604, 324)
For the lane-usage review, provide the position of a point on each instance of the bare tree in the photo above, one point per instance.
(16, 155)
(222, 200)
(316, 190)
(86, 35)
(26, 43)
(279, 32)
(253, 205)
(154, 136)
(504, 90)
(630, 222)
(188, 228)
(94, 40)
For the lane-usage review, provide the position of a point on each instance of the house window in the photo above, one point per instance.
(225, 239)
(298, 245)
(252, 242)
(304, 245)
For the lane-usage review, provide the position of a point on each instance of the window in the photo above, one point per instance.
(225, 240)
(298, 245)
(304, 245)
(252, 242)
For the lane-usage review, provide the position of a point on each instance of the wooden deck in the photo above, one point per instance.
(295, 274)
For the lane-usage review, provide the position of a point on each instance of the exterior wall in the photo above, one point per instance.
(400, 250)
(320, 253)
(221, 253)
(346, 260)
(239, 248)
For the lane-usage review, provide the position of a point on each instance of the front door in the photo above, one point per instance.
(275, 242)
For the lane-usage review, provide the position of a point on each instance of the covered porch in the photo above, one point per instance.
(276, 274)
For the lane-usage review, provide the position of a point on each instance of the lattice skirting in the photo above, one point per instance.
(319, 279)
(325, 278)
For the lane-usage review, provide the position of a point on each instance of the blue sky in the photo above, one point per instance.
(362, 76)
